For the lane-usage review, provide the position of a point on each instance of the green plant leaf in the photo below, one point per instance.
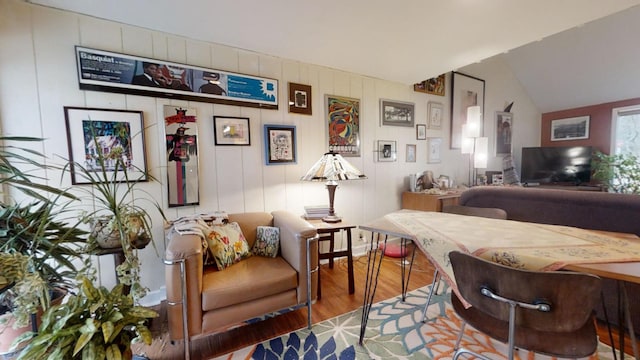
(113, 353)
(145, 334)
(89, 290)
(107, 330)
(83, 340)
(142, 312)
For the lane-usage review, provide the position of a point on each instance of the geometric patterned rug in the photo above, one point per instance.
(394, 331)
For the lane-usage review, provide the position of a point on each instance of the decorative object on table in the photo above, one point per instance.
(575, 128)
(411, 153)
(386, 151)
(504, 131)
(473, 143)
(182, 156)
(397, 113)
(300, 99)
(434, 149)
(280, 144)
(231, 130)
(421, 132)
(466, 91)
(494, 177)
(312, 212)
(435, 86)
(332, 168)
(343, 120)
(413, 182)
(619, 173)
(509, 174)
(435, 111)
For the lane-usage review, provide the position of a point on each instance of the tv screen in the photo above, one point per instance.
(570, 165)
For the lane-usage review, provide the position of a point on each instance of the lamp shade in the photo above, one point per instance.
(474, 120)
(481, 153)
(332, 167)
(468, 142)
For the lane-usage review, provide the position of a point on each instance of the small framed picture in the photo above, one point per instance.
(396, 113)
(434, 148)
(493, 175)
(435, 86)
(574, 128)
(411, 153)
(280, 144)
(300, 99)
(435, 111)
(386, 151)
(504, 129)
(231, 130)
(421, 132)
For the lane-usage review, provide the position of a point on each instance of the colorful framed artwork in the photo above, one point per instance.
(575, 128)
(435, 113)
(504, 129)
(181, 137)
(396, 113)
(466, 91)
(231, 130)
(434, 149)
(110, 129)
(343, 120)
(435, 86)
(411, 153)
(300, 99)
(386, 150)
(421, 132)
(280, 144)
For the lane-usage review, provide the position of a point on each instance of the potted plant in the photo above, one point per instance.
(619, 173)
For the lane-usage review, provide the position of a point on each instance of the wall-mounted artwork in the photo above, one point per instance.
(466, 91)
(434, 149)
(231, 130)
(504, 129)
(386, 151)
(435, 86)
(421, 132)
(343, 120)
(280, 144)
(182, 156)
(300, 99)
(435, 112)
(575, 128)
(396, 113)
(411, 153)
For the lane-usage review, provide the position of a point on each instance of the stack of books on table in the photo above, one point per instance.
(316, 211)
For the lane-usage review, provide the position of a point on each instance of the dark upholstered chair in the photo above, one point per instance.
(551, 313)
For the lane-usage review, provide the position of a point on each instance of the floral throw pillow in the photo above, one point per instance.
(227, 245)
(267, 241)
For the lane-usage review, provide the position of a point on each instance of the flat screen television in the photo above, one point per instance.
(565, 165)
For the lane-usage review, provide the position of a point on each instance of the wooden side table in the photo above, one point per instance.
(428, 202)
(326, 232)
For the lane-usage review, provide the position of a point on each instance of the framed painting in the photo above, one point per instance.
(466, 91)
(181, 138)
(280, 144)
(386, 150)
(300, 99)
(411, 153)
(230, 130)
(504, 129)
(575, 128)
(121, 130)
(396, 113)
(435, 86)
(421, 132)
(434, 149)
(435, 113)
(343, 120)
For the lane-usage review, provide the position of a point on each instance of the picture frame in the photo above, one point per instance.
(573, 128)
(182, 156)
(411, 153)
(280, 144)
(434, 150)
(493, 175)
(386, 151)
(112, 128)
(231, 130)
(504, 131)
(435, 111)
(343, 121)
(466, 91)
(397, 113)
(435, 86)
(421, 132)
(300, 99)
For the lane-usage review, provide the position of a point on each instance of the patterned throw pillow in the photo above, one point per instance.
(267, 241)
(227, 245)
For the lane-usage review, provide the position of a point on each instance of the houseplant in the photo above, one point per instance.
(619, 173)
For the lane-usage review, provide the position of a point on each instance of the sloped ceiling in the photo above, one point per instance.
(404, 41)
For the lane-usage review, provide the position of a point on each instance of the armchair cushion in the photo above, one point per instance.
(227, 245)
(267, 241)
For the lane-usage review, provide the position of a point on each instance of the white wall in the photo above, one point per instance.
(38, 78)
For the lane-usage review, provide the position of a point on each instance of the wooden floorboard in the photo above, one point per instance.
(335, 301)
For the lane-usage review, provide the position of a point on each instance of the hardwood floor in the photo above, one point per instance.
(335, 301)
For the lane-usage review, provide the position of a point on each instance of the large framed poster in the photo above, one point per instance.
(466, 91)
(114, 72)
(181, 134)
(343, 119)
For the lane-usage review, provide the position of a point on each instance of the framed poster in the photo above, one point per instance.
(434, 149)
(435, 112)
(435, 86)
(343, 120)
(386, 150)
(466, 91)
(396, 113)
(181, 136)
(280, 144)
(421, 132)
(574, 128)
(300, 99)
(411, 153)
(504, 129)
(229, 130)
(121, 73)
(110, 129)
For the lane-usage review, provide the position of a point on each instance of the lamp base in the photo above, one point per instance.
(332, 219)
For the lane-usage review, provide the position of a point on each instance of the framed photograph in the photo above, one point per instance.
(411, 153)
(396, 113)
(299, 98)
(421, 132)
(386, 151)
(434, 149)
(435, 112)
(343, 120)
(121, 130)
(574, 128)
(466, 91)
(491, 175)
(280, 144)
(181, 139)
(504, 129)
(230, 130)
(435, 86)
(100, 70)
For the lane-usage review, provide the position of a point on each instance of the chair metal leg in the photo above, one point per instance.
(406, 275)
(309, 273)
(374, 260)
(434, 284)
(183, 302)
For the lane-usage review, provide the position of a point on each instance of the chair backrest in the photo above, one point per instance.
(572, 296)
(493, 213)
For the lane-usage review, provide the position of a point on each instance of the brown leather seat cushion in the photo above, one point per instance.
(250, 279)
